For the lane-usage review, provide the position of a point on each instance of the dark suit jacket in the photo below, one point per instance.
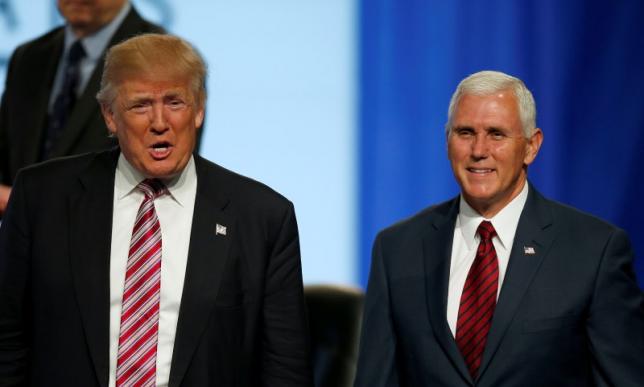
(571, 314)
(241, 321)
(23, 113)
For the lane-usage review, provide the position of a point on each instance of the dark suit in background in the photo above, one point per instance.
(24, 109)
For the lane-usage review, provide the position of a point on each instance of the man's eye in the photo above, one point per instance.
(497, 135)
(464, 132)
(138, 107)
(176, 104)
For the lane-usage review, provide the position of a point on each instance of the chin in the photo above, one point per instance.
(160, 173)
(478, 191)
(165, 174)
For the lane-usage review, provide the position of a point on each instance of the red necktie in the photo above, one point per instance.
(137, 353)
(478, 301)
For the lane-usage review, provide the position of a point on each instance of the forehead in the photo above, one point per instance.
(497, 109)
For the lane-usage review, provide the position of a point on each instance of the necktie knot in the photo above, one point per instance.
(486, 231)
(76, 53)
(152, 188)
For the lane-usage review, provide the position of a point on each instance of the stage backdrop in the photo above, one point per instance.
(340, 104)
(583, 60)
(281, 103)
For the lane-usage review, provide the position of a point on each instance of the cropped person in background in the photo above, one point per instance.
(48, 108)
(148, 265)
(500, 286)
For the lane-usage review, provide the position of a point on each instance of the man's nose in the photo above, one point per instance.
(480, 146)
(158, 122)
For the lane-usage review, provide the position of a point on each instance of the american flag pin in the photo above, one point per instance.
(528, 250)
(220, 230)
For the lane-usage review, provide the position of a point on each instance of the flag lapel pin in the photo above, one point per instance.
(528, 250)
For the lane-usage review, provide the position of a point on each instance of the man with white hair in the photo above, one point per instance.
(500, 286)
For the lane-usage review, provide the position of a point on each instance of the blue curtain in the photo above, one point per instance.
(584, 62)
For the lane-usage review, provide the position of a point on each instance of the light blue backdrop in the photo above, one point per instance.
(280, 106)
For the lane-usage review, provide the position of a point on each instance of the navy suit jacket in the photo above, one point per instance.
(25, 102)
(241, 320)
(571, 314)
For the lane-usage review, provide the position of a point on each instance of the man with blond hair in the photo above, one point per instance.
(500, 286)
(148, 265)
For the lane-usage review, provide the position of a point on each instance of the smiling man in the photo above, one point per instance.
(500, 286)
(148, 265)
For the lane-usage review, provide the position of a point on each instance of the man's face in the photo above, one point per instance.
(88, 16)
(488, 151)
(156, 123)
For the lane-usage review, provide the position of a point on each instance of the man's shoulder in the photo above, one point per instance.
(60, 171)
(243, 189)
(418, 223)
(39, 44)
(569, 218)
(134, 24)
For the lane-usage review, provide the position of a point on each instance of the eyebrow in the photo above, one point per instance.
(487, 129)
(173, 94)
(145, 97)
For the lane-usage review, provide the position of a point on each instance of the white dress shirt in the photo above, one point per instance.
(466, 242)
(175, 216)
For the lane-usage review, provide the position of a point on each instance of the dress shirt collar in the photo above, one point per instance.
(96, 43)
(180, 187)
(505, 221)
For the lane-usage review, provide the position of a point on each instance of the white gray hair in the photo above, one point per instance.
(489, 82)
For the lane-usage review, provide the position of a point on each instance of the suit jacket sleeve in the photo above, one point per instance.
(616, 318)
(285, 356)
(4, 162)
(5, 175)
(14, 268)
(377, 355)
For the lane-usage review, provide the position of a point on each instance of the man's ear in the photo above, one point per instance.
(199, 118)
(108, 116)
(533, 145)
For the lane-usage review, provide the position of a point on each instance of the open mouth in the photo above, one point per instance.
(160, 150)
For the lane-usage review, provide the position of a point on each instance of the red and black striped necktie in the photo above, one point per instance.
(478, 300)
(137, 353)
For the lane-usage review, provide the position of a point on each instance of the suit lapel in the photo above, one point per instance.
(208, 253)
(90, 210)
(86, 106)
(437, 250)
(533, 231)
